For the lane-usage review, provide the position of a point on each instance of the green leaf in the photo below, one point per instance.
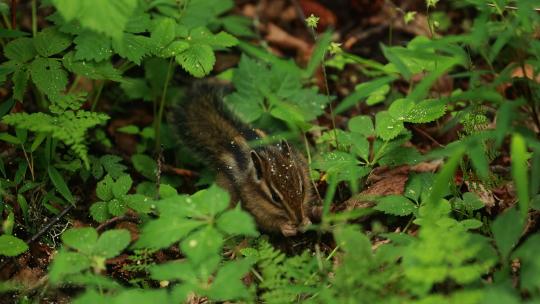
(60, 184)
(122, 186)
(104, 188)
(165, 231)
(363, 90)
(100, 212)
(202, 35)
(198, 60)
(239, 26)
(395, 205)
(362, 125)
(133, 47)
(20, 81)
(228, 284)
(90, 69)
(11, 246)
(317, 56)
(211, 201)
(164, 33)
(396, 60)
(111, 243)
(387, 127)
(201, 244)
(480, 162)
(445, 177)
(237, 222)
(50, 42)
(104, 16)
(117, 207)
(507, 229)
(48, 75)
(20, 49)
(172, 271)
(425, 111)
(530, 268)
(92, 46)
(83, 239)
(66, 263)
(145, 165)
(519, 157)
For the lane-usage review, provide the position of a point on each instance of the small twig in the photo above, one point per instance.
(113, 220)
(13, 14)
(49, 225)
(179, 171)
(159, 169)
(424, 133)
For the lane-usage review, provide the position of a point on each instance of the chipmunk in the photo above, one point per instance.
(271, 181)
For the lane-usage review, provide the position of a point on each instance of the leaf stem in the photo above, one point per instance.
(157, 125)
(97, 95)
(34, 18)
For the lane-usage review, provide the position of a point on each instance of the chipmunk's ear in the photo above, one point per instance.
(257, 163)
(285, 147)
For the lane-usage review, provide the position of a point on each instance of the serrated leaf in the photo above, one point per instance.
(173, 49)
(362, 125)
(104, 188)
(51, 41)
(133, 47)
(111, 164)
(145, 165)
(122, 185)
(387, 127)
(198, 60)
(163, 33)
(11, 246)
(82, 239)
(165, 231)
(426, 111)
(21, 49)
(91, 69)
(111, 243)
(237, 222)
(60, 184)
(378, 96)
(117, 207)
(395, 205)
(48, 75)
(202, 35)
(104, 16)
(238, 25)
(211, 201)
(100, 212)
(92, 46)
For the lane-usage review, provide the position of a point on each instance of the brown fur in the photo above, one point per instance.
(271, 181)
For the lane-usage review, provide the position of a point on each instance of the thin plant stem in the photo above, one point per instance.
(34, 18)
(157, 126)
(97, 95)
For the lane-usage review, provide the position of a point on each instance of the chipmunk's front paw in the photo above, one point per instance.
(289, 229)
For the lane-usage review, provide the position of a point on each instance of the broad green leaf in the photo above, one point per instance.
(211, 201)
(48, 75)
(117, 207)
(122, 186)
(173, 49)
(198, 60)
(201, 244)
(237, 222)
(445, 177)
(202, 35)
(104, 16)
(507, 229)
(20, 49)
(83, 239)
(142, 296)
(378, 96)
(362, 125)
(396, 59)
(172, 271)
(395, 205)
(90, 69)
(145, 165)
(90, 45)
(66, 263)
(165, 231)
(11, 246)
(163, 33)
(104, 188)
(239, 26)
(100, 212)
(60, 184)
(519, 157)
(228, 284)
(425, 111)
(387, 127)
(530, 268)
(133, 47)
(480, 162)
(111, 243)
(50, 42)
